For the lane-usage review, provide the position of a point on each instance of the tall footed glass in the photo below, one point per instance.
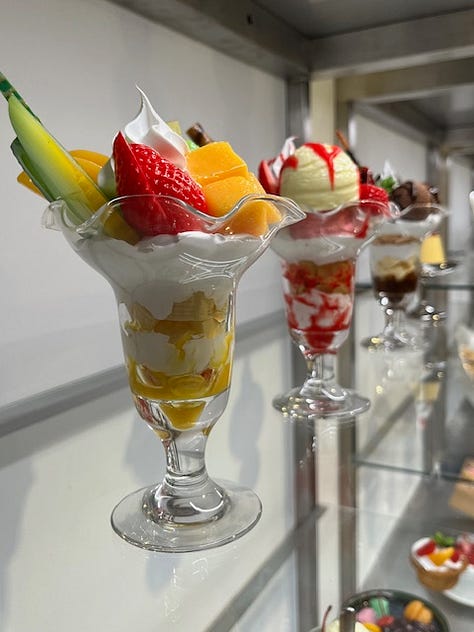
(318, 259)
(176, 304)
(395, 269)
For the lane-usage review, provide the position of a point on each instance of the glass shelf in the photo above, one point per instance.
(342, 503)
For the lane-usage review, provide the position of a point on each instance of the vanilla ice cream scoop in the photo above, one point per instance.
(319, 176)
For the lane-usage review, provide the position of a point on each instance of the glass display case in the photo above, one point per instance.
(343, 503)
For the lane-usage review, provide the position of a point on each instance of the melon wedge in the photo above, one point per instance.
(58, 172)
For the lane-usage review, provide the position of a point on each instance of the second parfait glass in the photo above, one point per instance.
(176, 305)
(396, 270)
(318, 260)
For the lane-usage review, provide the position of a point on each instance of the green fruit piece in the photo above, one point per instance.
(53, 165)
(29, 169)
(57, 174)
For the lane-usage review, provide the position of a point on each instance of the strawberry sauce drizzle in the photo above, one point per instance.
(328, 157)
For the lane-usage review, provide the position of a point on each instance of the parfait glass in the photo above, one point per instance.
(176, 305)
(318, 261)
(396, 269)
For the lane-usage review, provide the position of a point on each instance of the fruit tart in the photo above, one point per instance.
(439, 561)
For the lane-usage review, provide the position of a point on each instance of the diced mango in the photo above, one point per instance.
(251, 219)
(222, 195)
(213, 162)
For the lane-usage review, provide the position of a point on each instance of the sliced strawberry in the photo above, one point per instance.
(372, 192)
(265, 175)
(377, 194)
(426, 549)
(455, 556)
(140, 170)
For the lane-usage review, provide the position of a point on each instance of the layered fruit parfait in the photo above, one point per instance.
(172, 226)
(395, 266)
(440, 560)
(318, 254)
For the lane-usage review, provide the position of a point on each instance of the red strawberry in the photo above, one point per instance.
(377, 194)
(266, 177)
(455, 556)
(372, 192)
(140, 170)
(426, 549)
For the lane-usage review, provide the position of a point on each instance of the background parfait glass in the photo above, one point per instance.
(176, 304)
(396, 270)
(318, 260)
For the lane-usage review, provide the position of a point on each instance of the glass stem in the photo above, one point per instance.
(185, 464)
(391, 321)
(321, 379)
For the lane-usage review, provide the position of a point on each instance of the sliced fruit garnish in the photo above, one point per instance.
(440, 556)
(140, 170)
(57, 175)
(90, 156)
(56, 168)
(215, 161)
(426, 549)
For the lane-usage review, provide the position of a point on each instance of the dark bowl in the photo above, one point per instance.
(397, 602)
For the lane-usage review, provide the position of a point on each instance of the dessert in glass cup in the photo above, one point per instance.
(318, 260)
(396, 269)
(172, 227)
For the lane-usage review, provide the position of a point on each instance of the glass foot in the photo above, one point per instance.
(132, 520)
(298, 406)
(426, 313)
(400, 341)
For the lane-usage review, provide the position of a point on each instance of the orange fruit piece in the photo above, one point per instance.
(213, 162)
(222, 195)
(439, 557)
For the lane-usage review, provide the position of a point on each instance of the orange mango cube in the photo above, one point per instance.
(213, 162)
(251, 219)
(222, 195)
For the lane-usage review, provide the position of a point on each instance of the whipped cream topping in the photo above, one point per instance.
(148, 128)
(318, 249)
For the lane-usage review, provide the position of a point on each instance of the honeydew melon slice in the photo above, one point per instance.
(59, 172)
(29, 171)
(59, 175)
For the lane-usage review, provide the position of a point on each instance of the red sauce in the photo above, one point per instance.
(327, 155)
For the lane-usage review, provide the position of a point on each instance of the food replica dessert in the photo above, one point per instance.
(440, 560)
(183, 227)
(318, 257)
(395, 611)
(397, 614)
(396, 266)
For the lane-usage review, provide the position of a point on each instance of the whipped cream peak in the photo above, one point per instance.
(148, 128)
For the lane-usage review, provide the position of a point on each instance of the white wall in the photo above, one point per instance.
(461, 218)
(374, 144)
(76, 64)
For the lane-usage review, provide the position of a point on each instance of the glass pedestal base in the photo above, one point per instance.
(132, 519)
(396, 341)
(297, 405)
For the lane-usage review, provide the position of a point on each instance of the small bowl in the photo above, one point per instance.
(397, 602)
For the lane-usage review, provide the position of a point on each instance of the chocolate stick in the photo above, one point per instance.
(346, 147)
